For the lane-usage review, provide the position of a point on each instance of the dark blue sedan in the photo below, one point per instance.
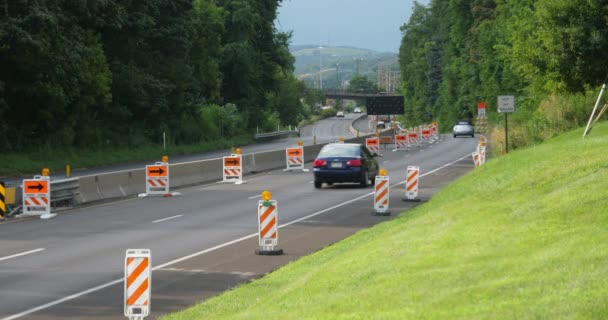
(345, 162)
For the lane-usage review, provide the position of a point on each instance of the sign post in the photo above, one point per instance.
(506, 105)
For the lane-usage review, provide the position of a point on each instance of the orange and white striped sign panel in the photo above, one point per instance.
(294, 158)
(381, 197)
(400, 141)
(411, 184)
(373, 145)
(268, 234)
(138, 283)
(36, 196)
(157, 178)
(476, 159)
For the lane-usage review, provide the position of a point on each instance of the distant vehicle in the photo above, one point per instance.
(357, 110)
(381, 125)
(344, 162)
(340, 114)
(464, 128)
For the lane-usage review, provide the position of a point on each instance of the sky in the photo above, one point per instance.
(365, 24)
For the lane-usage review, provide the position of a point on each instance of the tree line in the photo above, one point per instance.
(548, 53)
(98, 73)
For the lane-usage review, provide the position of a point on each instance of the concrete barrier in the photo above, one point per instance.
(128, 183)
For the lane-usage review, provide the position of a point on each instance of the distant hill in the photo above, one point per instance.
(339, 63)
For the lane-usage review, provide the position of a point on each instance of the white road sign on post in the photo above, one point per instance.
(506, 104)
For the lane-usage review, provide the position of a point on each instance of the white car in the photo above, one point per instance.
(357, 110)
(464, 128)
(340, 114)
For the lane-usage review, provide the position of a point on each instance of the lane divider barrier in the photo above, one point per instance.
(373, 145)
(37, 196)
(137, 283)
(233, 168)
(268, 231)
(158, 179)
(411, 184)
(382, 194)
(400, 142)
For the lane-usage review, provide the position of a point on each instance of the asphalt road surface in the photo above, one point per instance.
(202, 242)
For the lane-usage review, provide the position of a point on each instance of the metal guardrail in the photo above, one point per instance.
(273, 135)
(64, 191)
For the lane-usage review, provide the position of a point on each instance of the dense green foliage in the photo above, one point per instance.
(548, 53)
(121, 73)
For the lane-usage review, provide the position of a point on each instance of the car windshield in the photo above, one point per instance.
(340, 150)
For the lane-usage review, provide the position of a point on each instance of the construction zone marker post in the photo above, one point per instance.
(411, 184)
(294, 158)
(137, 283)
(2, 200)
(382, 194)
(37, 196)
(158, 179)
(268, 226)
(233, 168)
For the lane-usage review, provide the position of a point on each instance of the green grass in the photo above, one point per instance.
(19, 164)
(523, 237)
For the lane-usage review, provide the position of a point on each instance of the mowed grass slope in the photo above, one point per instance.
(523, 237)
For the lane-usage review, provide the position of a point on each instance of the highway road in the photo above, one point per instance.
(202, 243)
(326, 130)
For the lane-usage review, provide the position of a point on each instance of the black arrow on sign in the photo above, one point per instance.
(39, 187)
(159, 171)
(233, 162)
(297, 152)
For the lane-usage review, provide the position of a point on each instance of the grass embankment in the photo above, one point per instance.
(523, 237)
(19, 164)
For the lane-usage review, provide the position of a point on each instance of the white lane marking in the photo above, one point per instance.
(258, 196)
(21, 254)
(170, 218)
(387, 161)
(121, 280)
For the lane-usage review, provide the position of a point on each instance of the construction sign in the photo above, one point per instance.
(137, 283)
(2, 200)
(373, 145)
(411, 184)
(37, 197)
(233, 169)
(413, 137)
(400, 141)
(294, 158)
(157, 178)
(381, 195)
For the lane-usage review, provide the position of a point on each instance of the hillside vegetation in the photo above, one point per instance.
(522, 237)
(548, 53)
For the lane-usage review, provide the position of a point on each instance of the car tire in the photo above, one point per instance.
(364, 180)
(454, 136)
(473, 135)
(318, 184)
(373, 181)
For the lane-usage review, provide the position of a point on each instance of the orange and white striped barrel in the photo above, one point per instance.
(36, 196)
(382, 194)
(294, 158)
(411, 183)
(268, 234)
(400, 141)
(233, 169)
(157, 178)
(373, 145)
(137, 283)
